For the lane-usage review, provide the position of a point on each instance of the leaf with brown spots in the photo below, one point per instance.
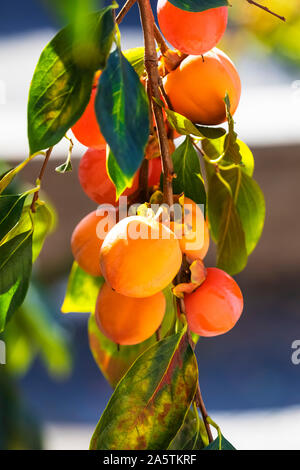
(150, 403)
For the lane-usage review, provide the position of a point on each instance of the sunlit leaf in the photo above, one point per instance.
(151, 401)
(82, 291)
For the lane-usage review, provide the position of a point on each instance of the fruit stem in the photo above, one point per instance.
(151, 64)
(36, 195)
(282, 18)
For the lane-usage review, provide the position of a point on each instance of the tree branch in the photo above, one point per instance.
(154, 80)
(282, 18)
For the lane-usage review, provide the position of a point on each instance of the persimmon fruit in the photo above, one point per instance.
(140, 257)
(216, 306)
(128, 320)
(95, 182)
(86, 241)
(190, 32)
(198, 86)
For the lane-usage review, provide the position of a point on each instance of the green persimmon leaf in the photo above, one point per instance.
(189, 178)
(136, 58)
(250, 205)
(150, 402)
(113, 361)
(15, 271)
(226, 226)
(184, 126)
(11, 207)
(190, 436)
(220, 443)
(62, 82)
(82, 291)
(199, 5)
(44, 221)
(116, 175)
(231, 146)
(213, 149)
(122, 112)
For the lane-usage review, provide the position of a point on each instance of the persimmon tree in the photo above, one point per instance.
(148, 297)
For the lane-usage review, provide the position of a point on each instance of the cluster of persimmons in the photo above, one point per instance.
(131, 304)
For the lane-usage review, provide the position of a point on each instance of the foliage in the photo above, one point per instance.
(155, 382)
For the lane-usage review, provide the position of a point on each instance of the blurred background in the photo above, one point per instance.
(51, 391)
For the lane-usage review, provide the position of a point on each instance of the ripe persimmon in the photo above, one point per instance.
(198, 86)
(140, 257)
(87, 129)
(95, 181)
(189, 32)
(216, 306)
(86, 240)
(127, 320)
(192, 231)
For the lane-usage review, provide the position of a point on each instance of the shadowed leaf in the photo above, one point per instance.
(198, 5)
(122, 112)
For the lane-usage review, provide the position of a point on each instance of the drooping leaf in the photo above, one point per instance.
(231, 146)
(122, 112)
(220, 443)
(226, 226)
(44, 220)
(15, 271)
(82, 291)
(191, 435)
(113, 361)
(215, 148)
(62, 81)
(151, 401)
(11, 207)
(198, 5)
(250, 204)
(188, 179)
